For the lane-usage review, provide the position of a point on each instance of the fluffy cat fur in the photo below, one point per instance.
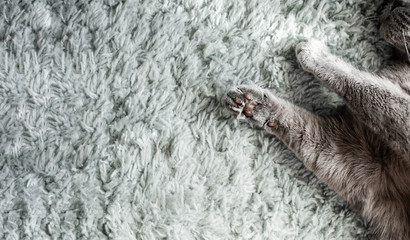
(363, 153)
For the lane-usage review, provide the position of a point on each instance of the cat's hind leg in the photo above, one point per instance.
(377, 102)
(301, 130)
(326, 145)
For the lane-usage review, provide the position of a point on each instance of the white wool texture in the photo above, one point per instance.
(112, 122)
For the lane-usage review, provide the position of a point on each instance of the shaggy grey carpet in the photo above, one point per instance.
(113, 127)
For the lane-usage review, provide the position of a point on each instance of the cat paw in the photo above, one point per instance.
(312, 54)
(249, 103)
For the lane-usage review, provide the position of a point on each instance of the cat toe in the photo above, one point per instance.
(235, 103)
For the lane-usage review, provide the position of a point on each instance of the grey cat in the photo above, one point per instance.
(363, 153)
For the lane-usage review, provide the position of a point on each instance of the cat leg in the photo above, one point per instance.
(377, 102)
(329, 147)
(298, 128)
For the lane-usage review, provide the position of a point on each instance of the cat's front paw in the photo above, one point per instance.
(312, 54)
(249, 103)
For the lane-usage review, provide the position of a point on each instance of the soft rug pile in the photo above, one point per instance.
(112, 124)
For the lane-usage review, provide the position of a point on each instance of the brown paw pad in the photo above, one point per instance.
(248, 96)
(248, 109)
(238, 101)
(272, 124)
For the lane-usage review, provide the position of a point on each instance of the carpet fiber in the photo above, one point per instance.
(112, 124)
